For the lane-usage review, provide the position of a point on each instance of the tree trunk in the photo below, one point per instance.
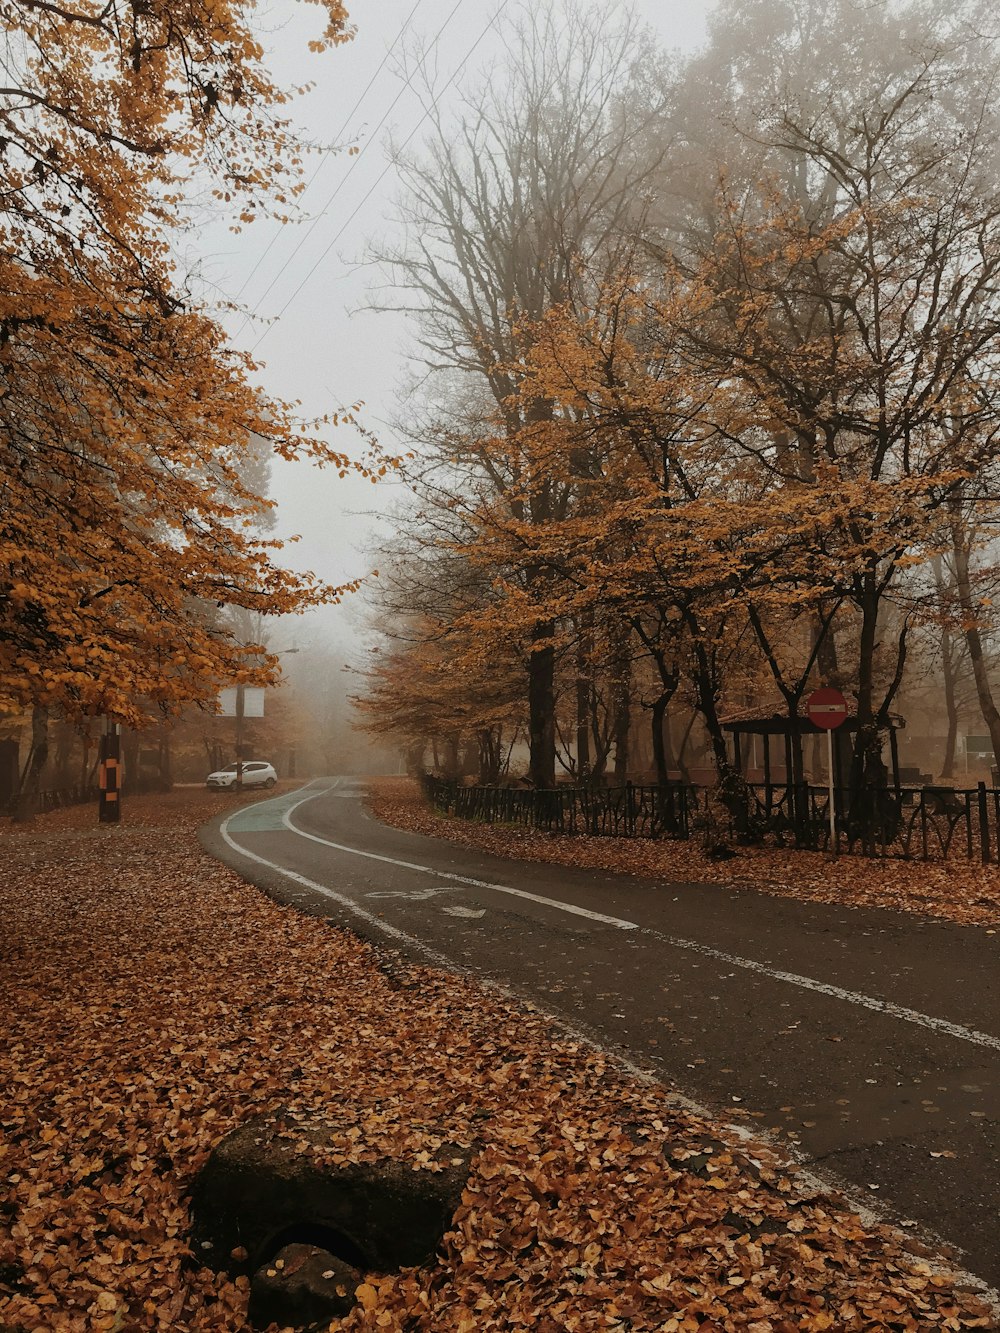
(26, 805)
(731, 787)
(950, 703)
(867, 750)
(663, 748)
(670, 754)
(583, 765)
(867, 812)
(682, 750)
(949, 672)
(973, 638)
(659, 727)
(826, 655)
(490, 743)
(621, 695)
(470, 758)
(414, 758)
(541, 709)
(583, 689)
(707, 695)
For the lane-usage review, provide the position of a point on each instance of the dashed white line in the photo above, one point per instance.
(869, 1215)
(940, 1026)
(456, 879)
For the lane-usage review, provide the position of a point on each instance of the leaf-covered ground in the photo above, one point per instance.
(963, 891)
(152, 1001)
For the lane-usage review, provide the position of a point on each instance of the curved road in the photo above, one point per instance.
(868, 1041)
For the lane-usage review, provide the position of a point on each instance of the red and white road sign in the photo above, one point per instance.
(827, 708)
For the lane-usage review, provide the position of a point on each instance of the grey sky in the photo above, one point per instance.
(323, 350)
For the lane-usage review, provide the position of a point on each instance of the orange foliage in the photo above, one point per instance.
(591, 1201)
(730, 457)
(124, 419)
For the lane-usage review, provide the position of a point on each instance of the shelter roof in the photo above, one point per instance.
(779, 724)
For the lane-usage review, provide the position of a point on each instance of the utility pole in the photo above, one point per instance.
(241, 714)
(239, 737)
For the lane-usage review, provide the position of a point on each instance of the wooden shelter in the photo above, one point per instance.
(788, 734)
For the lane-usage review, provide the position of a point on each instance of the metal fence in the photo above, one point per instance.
(57, 798)
(621, 812)
(912, 823)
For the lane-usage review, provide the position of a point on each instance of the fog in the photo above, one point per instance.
(305, 286)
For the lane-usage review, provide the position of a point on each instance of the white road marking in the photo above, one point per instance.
(457, 879)
(438, 959)
(414, 895)
(469, 912)
(861, 1204)
(940, 1026)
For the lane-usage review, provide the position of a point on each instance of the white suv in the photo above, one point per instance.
(255, 774)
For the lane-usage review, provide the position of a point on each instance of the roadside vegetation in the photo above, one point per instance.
(707, 411)
(135, 441)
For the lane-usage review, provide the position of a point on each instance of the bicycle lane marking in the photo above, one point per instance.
(940, 1026)
(861, 1203)
(455, 879)
(432, 955)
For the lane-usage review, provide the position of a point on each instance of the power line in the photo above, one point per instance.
(378, 181)
(336, 139)
(347, 175)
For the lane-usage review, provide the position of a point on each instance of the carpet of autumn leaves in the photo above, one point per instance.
(961, 891)
(153, 1001)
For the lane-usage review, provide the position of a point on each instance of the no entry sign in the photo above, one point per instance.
(826, 708)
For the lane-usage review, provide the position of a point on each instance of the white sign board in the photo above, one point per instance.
(253, 701)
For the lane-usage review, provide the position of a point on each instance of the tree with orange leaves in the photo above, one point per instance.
(549, 167)
(125, 421)
(413, 693)
(433, 681)
(652, 545)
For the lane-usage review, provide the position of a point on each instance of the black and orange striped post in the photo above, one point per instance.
(109, 808)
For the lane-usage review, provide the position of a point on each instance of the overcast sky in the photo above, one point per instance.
(321, 349)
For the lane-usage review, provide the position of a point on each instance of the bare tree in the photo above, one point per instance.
(546, 172)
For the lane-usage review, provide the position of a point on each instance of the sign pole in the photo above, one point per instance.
(239, 737)
(826, 708)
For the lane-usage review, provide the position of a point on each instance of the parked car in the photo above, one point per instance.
(255, 774)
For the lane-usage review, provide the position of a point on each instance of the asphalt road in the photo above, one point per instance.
(867, 1040)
